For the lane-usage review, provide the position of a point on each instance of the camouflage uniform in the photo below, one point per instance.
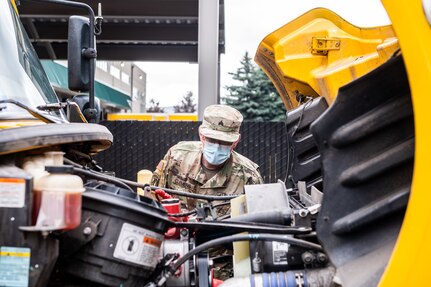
(181, 169)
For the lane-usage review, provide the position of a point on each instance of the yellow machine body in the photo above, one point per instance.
(319, 52)
(409, 265)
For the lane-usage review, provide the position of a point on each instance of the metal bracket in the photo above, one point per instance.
(321, 46)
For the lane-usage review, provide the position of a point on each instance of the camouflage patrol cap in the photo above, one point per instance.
(221, 122)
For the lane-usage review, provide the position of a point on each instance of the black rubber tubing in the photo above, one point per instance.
(101, 176)
(98, 175)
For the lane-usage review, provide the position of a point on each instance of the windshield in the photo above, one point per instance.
(22, 77)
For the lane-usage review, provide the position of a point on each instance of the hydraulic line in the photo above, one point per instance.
(92, 173)
(220, 204)
(186, 194)
(191, 212)
(194, 211)
(277, 216)
(101, 176)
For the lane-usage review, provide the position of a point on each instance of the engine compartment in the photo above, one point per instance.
(351, 146)
(341, 207)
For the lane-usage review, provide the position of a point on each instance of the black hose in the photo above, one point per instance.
(192, 195)
(194, 211)
(223, 217)
(130, 183)
(191, 212)
(101, 176)
(220, 204)
(71, 162)
(276, 216)
(235, 238)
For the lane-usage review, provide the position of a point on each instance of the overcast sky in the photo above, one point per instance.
(247, 22)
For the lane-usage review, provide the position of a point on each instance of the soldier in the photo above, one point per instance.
(210, 166)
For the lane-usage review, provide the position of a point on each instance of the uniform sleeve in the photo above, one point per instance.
(161, 172)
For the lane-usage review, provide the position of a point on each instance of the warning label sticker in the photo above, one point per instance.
(14, 266)
(279, 253)
(138, 245)
(12, 192)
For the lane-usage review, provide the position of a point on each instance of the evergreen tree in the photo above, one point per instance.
(155, 107)
(186, 105)
(254, 96)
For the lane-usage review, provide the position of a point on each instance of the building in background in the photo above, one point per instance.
(127, 78)
(113, 85)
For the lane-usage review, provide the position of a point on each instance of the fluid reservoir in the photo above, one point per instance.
(35, 165)
(54, 158)
(58, 198)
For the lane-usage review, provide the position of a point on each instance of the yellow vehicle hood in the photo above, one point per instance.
(317, 53)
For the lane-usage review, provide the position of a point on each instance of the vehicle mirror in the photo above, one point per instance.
(78, 63)
(76, 113)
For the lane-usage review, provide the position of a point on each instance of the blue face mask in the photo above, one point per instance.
(215, 153)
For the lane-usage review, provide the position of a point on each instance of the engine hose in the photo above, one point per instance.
(128, 183)
(235, 238)
(276, 216)
(220, 204)
(191, 212)
(101, 176)
(188, 194)
(305, 278)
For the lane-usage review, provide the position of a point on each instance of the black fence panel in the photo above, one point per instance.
(141, 145)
